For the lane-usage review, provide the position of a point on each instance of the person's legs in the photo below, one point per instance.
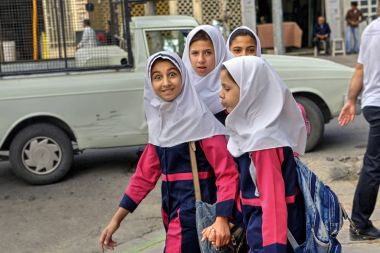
(327, 46)
(348, 40)
(368, 185)
(315, 42)
(355, 33)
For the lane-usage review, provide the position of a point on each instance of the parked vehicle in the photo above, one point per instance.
(319, 85)
(96, 99)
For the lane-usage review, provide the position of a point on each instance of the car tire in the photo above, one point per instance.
(317, 125)
(41, 154)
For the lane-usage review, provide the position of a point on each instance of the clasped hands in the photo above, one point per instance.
(218, 233)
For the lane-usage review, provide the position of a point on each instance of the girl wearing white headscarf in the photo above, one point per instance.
(176, 116)
(206, 83)
(265, 128)
(244, 41)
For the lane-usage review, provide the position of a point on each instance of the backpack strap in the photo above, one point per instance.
(194, 170)
(346, 217)
(252, 172)
(292, 240)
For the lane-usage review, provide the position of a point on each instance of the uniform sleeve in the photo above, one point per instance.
(226, 173)
(147, 173)
(271, 186)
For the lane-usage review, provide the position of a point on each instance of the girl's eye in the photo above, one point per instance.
(208, 53)
(194, 53)
(237, 50)
(226, 89)
(157, 77)
(172, 74)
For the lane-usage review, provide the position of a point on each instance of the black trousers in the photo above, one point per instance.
(317, 43)
(368, 185)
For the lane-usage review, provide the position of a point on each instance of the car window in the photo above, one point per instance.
(167, 40)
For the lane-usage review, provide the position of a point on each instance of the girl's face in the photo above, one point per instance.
(166, 80)
(243, 46)
(202, 57)
(230, 92)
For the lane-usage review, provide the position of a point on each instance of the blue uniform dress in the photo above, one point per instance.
(279, 205)
(218, 180)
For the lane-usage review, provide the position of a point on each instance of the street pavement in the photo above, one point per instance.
(154, 241)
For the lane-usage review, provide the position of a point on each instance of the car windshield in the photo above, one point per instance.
(167, 40)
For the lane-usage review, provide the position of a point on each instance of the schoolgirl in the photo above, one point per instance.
(243, 41)
(176, 116)
(203, 56)
(265, 129)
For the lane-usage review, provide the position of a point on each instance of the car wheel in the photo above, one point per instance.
(41, 154)
(317, 124)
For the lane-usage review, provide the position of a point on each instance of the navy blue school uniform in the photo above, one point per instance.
(279, 205)
(218, 179)
(221, 116)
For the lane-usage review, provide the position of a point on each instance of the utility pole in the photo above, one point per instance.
(197, 11)
(248, 13)
(150, 8)
(225, 17)
(277, 27)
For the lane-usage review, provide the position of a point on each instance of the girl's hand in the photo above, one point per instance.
(105, 240)
(218, 233)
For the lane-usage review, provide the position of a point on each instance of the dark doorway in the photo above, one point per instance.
(303, 12)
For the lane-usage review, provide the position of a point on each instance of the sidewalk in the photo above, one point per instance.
(154, 242)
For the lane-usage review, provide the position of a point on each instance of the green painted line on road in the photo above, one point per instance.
(153, 242)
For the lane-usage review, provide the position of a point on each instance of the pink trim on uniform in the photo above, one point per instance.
(227, 175)
(174, 236)
(250, 202)
(185, 176)
(270, 181)
(257, 201)
(147, 173)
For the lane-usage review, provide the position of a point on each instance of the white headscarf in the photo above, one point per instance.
(208, 86)
(258, 44)
(184, 119)
(267, 115)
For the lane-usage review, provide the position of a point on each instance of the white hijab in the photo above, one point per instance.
(258, 44)
(208, 86)
(184, 119)
(267, 115)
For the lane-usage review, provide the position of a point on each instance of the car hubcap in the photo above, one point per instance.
(41, 155)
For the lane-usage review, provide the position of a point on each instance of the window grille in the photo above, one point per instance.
(50, 36)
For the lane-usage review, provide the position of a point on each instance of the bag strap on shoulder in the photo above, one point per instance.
(194, 170)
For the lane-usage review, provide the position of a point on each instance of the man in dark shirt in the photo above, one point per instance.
(322, 33)
(353, 17)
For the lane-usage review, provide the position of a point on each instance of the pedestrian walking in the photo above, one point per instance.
(353, 17)
(88, 37)
(366, 79)
(176, 116)
(265, 129)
